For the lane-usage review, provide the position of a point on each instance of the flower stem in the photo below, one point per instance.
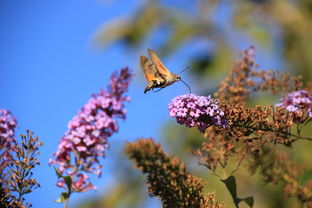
(66, 203)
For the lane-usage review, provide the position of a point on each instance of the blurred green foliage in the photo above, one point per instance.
(281, 26)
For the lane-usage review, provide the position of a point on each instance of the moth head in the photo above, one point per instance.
(177, 77)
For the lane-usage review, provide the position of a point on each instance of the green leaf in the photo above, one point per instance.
(68, 181)
(249, 200)
(63, 197)
(230, 184)
(306, 177)
(58, 173)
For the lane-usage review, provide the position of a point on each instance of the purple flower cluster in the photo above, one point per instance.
(200, 111)
(299, 103)
(8, 124)
(79, 185)
(86, 138)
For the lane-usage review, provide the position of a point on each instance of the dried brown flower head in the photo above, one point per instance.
(19, 180)
(251, 129)
(167, 178)
(243, 79)
(278, 167)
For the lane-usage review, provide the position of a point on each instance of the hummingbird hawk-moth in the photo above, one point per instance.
(157, 75)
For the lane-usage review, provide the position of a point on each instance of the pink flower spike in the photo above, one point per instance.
(86, 138)
(8, 124)
(298, 103)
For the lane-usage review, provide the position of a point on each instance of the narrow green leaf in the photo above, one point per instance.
(62, 198)
(249, 200)
(68, 181)
(230, 184)
(306, 177)
(58, 173)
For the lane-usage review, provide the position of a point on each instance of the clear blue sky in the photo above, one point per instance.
(49, 70)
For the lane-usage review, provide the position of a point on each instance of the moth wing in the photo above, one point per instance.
(160, 67)
(148, 68)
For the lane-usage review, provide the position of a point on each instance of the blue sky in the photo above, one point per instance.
(48, 70)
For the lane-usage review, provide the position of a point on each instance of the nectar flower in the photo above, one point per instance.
(299, 103)
(86, 138)
(200, 111)
(8, 124)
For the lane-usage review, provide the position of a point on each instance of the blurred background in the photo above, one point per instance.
(55, 54)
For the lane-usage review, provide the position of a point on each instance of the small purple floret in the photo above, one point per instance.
(8, 124)
(200, 111)
(299, 103)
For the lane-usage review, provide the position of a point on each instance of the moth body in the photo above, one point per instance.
(157, 75)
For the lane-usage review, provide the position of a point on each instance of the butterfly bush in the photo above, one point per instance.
(8, 124)
(17, 160)
(200, 111)
(86, 138)
(299, 103)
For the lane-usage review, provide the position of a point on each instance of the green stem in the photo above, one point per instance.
(273, 130)
(66, 203)
(224, 172)
(238, 164)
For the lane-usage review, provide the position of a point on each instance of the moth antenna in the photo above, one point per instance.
(186, 68)
(187, 86)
